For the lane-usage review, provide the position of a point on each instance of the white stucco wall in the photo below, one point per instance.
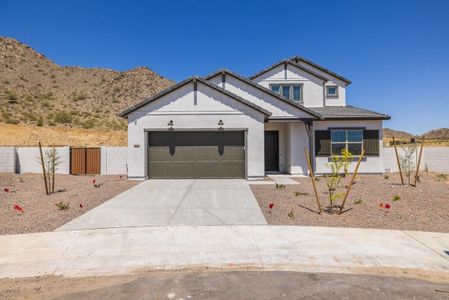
(114, 160)
(298, 140)
(204, 114)
(341, 99)
(277, 107)
(312, 92)
(369, 164)
(7, 160)
(28, 160)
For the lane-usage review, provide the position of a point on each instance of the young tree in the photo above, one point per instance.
(406, 160)
(339, 168)
(51, 160)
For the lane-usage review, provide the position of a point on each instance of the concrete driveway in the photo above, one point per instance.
(176, 202)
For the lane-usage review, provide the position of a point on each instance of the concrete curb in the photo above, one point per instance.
(313, 249)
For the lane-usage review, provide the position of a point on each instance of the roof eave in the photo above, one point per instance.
(342, 78)
(264, 89)
(126, 112)
(345, 118)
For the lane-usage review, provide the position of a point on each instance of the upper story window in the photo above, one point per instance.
(289, 91)
(332, 91)
(349, 139)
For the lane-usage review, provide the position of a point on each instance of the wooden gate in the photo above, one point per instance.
(85, 161)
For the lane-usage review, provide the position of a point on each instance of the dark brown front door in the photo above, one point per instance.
(272, 151)
(189, 154)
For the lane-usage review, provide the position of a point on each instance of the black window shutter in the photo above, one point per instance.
(371, 142)
(322, 143)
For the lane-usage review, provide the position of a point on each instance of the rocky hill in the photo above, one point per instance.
(389, 133)
(440, 133)
(36, 91)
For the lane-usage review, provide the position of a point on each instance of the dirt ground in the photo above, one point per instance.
(424, 208)
(40, 212)
(224, 285)
(29, 135)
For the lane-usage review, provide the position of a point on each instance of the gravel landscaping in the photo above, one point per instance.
(424, 208)
(25, 208)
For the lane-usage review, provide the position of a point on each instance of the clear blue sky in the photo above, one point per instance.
(395, 52)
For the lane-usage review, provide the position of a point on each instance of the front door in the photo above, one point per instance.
(272, 151)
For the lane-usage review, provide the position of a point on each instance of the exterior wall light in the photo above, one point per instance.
(220, 124)
(170, 124)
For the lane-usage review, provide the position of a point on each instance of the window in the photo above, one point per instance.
(332, 91)
(346, 139)
(289, 91)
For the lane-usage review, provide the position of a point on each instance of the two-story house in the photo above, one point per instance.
(229, 126)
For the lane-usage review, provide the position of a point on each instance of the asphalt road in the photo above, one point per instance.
(231, 285)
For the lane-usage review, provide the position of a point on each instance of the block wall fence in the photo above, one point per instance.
(113, 160)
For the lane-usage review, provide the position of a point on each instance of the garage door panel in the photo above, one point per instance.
(196, 155)
(185, 170)
(160, 169)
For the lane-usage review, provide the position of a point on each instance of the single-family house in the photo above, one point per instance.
(225, 125)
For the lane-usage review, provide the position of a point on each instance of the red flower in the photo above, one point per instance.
(381, 205)
(18, 208)
(271, 205)
(81, 206)
(387, 206)
(6, 190)
(93, 181)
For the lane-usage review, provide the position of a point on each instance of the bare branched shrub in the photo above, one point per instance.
(406, 160)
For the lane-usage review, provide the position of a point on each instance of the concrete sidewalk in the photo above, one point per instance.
(309, 249)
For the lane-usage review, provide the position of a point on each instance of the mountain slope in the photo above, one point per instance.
(389, 133)
(35, 90)
(440, 133)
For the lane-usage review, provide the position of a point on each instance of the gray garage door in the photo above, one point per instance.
(189, 154)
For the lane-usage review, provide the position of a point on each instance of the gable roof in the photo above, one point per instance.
(126, 112)
(298, 58)
(263, 89)
(349, 112)
(289, 62)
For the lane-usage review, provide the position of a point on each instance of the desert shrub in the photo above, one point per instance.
(88, 124)
(62, 117)
(23, 78)
(40, 122)
(11, 98)
(5, 82)
(78, 97)
(12, 121)
(62, 205)
(52, 76)
(396, 197)
(442, 176)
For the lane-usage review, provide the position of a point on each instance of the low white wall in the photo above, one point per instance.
(28, 160)
(436, 159)
(114, 160)
(7, 160)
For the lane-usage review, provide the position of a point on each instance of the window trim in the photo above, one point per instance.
(346, 142)
(332, 95)
(301, 85)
